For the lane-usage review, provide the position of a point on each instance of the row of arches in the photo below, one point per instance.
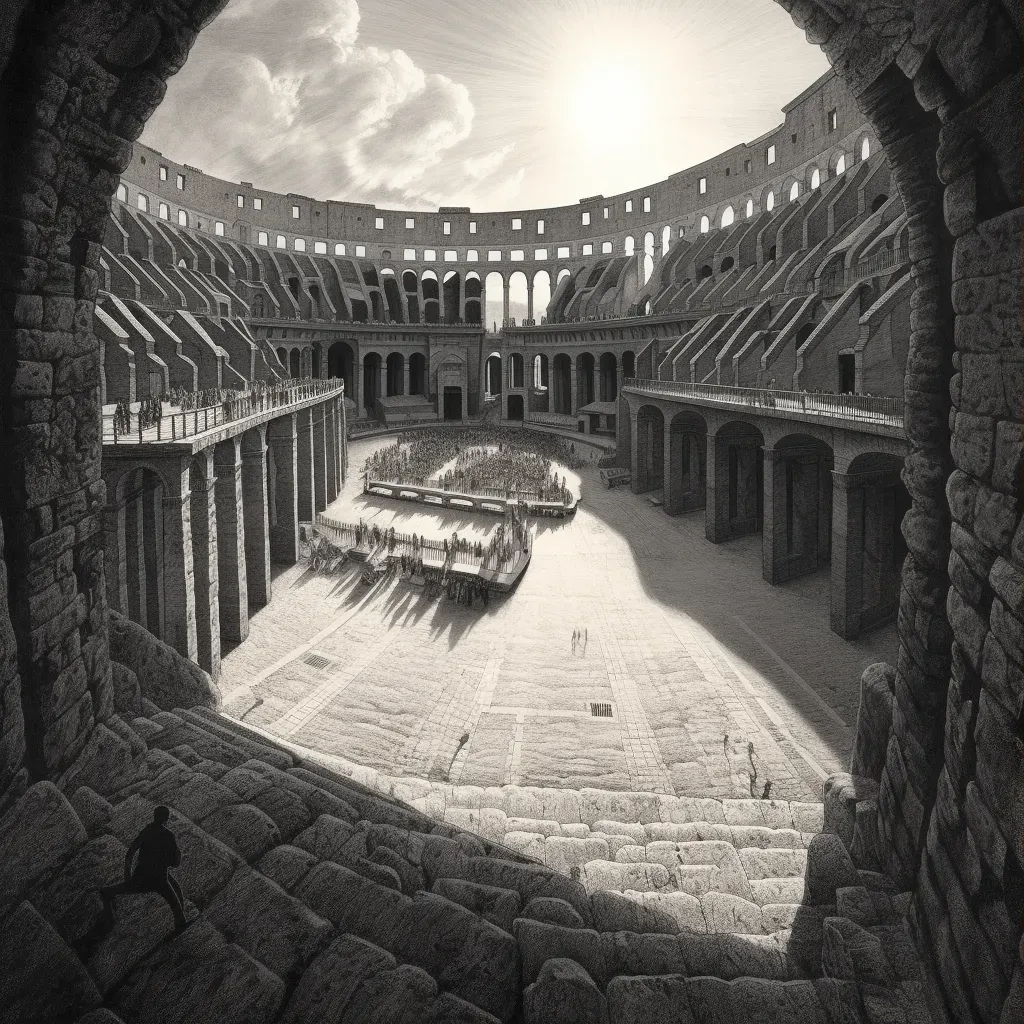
(597, 378)
(788, 492)
(789, 190)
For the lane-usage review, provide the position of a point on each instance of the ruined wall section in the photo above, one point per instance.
(78, 85)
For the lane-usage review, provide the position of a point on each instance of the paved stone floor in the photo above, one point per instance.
(712, 675)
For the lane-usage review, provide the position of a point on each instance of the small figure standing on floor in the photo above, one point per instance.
(157, 852)
(575, 633)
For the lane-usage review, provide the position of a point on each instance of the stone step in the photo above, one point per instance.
(466, 955)
(222, 728)
(41, 978)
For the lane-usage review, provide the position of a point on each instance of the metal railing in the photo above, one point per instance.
(178, 424)
(856, 408)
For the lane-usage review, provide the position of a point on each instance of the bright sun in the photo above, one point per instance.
(607, 98)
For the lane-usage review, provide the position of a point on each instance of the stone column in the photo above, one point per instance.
(203, 510)
(573, 397)
(775, 532)
(257, 516)
(304, 473)
(319, 457)
(282, 437)
(178, 574)
(153, 529)
(673, 473)
(847, 555)
(234, 591)
(405, 376)
(716, 504)
(331, 438)
(504, 304)
(114, 556)
(529, 301)
(343, 434)
(135, 559)
(357, 384)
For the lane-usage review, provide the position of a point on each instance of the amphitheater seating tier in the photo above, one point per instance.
(327, 892)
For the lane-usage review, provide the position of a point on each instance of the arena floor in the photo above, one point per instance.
(712, 675)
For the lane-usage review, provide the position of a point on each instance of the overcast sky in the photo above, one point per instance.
(494, 105)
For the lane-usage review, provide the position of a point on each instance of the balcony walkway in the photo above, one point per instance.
(866, 412)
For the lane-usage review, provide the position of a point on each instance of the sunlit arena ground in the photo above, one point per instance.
(717, 682)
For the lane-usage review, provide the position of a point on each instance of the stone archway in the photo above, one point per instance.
(85, 77)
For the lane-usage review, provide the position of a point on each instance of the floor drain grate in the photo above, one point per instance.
(600, 710)
(317, 661)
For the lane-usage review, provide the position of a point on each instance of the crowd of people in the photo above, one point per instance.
(232, 403)
(504, 458)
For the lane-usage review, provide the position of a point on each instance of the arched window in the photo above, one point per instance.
(143, 203)
(165, 212)
(705, 224)
(794, 192)
(666, 239)
(122, 193)
(606, 247)
(865, 149)
(815, 178)
(299, 244)
(750, 207)
(218, 228)
(183, 218)
(630, 245)
(648, 267)
(728, 216)
(770, 202)
(841, 165)
(339, 248)
(649, 243)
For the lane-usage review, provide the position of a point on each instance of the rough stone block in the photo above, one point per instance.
(730, 914)
(204, 980)
(37, 837)
(244, 828)
(499, 906)
(606, 874)
(562, 853)
(614, 912)
(829, 868)
(287, 865)
(42, 979)
(271, 926)
(553, 911)
(563, 994)
(648, 1000)
(165, 677)
(874, 721)
(540, 942)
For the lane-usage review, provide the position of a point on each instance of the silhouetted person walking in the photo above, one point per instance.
(157, 851)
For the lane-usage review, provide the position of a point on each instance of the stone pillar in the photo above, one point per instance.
(282, 438)
(331, 436)
(234, 591)
(529, 301)
(847, 555)
(775, 533)
(257, 516)
(792, 507)
(319, 457)
(304, 473)
(504, 304)
(343, 434)
(357, 384)
(716, 506)
(405, 376)
(203, 511)
(114, 556)
(153, 529)
(672, 473)
(135, 559)
(178, 574)
(573, 397)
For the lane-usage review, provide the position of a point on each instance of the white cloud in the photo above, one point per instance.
(285, 94)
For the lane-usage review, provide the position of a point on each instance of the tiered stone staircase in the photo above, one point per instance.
(323, 898)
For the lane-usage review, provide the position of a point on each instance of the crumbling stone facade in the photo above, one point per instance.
(939, 81)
